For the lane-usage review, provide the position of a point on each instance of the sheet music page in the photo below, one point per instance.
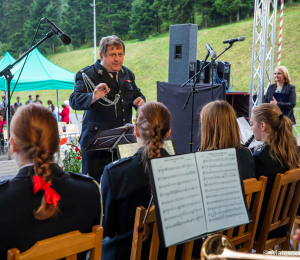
(8, 169)
(126, 150)
(221, 188)
(179, 198)
(246, 132)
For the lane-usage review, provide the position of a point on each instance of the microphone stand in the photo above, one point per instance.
(8, 76)
(193, 91)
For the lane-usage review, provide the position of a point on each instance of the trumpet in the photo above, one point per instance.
(220, 247)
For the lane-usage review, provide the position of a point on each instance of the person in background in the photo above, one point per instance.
(125, 184)
(65, 113)
(28, 213)
(2, 121)
(51, 107)
(67, 103)
(12, 111)
(2, 103)
(282, 85)
(220, 129)
(279, 154)
(18, 103)
(29, 101)
(37, 100)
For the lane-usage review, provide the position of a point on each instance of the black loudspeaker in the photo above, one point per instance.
(224, 71)
(182, 52)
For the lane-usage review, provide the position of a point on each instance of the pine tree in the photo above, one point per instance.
(15, 15)
(227, 7)
(142, 19)
(120, 13)
(77, 21)
(53, 14)
(36, 13)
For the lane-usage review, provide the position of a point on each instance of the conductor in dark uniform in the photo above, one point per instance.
(108, 105)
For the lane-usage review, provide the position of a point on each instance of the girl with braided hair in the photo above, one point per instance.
(279, 154)
(125, 183)
(42, 201)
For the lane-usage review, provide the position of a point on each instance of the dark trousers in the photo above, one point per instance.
(93, 162)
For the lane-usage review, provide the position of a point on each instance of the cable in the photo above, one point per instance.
(231, 78)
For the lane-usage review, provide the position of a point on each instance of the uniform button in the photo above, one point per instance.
(124, 119)
(123, 110)
(95, 127)
(120, 91)
(122, 100)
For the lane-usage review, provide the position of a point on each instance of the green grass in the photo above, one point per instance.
(149, 59)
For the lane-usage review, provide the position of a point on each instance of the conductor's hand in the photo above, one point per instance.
(274, 102)
(99, 92)
(138, 101)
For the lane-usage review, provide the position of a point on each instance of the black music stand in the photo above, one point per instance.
(108, 139)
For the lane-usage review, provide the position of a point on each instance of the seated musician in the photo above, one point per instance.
(278, 155)
(125, 183)
(220, 129)
(42, 201)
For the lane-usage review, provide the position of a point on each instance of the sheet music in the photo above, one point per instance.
(126, 150)
(221, 189)
(8, 169)
(246, 132)
(179, 198)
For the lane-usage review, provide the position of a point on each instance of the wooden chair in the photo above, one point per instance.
(245, 239)
(67, 245)
(296, 226)
(60, 129)
(273, 218)
(137, 239)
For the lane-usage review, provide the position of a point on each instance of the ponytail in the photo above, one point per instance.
(282, 143)
(39, 142)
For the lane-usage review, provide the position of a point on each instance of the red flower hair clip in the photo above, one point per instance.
(129, 81)
(52, 197)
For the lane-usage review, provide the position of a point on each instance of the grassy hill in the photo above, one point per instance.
(149, 59)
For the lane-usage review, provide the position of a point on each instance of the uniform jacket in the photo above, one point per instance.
(247, 163)
(124, 186)
(285, 107)
(79, 209)
(99, 117)
(267, 166)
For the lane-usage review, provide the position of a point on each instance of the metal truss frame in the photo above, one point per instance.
(263, 46)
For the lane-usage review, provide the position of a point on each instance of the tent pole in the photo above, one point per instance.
(57, 94)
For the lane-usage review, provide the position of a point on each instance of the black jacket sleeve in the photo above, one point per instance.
(80, 99)
(108, 204)
(292, 100)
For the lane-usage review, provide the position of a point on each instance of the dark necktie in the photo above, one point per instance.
(115, 77)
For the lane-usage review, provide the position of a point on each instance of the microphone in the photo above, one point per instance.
(64, 37)
(213, 54)
(240, 39)
(249, 141)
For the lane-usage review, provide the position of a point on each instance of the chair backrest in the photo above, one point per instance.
(286, 189)
(137, 239)
(5, 134)
(67, 245)
(60, 129)
(254, 191)
(71, 128)
(62, 123)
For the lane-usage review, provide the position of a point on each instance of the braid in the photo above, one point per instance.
(155, 143)
(42, 169)
(38, 143)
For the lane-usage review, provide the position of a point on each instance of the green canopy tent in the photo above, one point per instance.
(4, 62)
(40, 74)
